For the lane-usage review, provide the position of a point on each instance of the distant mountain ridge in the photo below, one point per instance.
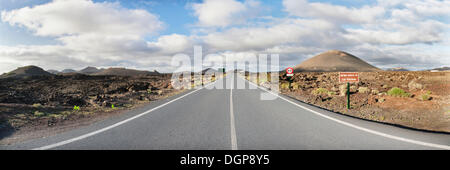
(53, 71)
(397, 69)
(90, 70)
(441, 68)
(124, 72)
(68, 71)
(37, 71)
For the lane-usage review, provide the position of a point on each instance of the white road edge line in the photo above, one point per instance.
(358, 127)
(114, 125)
(233, 128)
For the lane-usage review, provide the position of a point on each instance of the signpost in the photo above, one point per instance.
(290, 74)
(348, 77)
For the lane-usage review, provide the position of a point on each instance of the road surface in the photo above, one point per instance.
(236, 119)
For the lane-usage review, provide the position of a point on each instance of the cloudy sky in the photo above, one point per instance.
(60, 34)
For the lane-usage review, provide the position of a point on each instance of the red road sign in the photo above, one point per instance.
(289, 71)
(348, 77)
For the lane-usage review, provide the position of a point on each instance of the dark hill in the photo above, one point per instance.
(26, 71)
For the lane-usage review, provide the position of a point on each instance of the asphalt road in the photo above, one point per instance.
(233, 118)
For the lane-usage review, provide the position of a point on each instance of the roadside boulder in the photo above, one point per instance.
(363, 90)
(375, 91)
(353, 89)
(342, 89)
(413, 85)
(334, 89)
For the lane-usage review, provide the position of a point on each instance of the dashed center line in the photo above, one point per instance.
(233, 128)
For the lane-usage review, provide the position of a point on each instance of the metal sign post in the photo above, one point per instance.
(290, 74)
(348, 77)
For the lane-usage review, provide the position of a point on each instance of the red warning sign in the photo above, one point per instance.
(289, 71)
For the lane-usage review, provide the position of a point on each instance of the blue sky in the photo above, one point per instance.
(15, 35)
(142, 34)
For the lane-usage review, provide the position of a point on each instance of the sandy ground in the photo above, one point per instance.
(427, 106)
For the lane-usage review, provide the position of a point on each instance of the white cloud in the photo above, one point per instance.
(169, 44)
(401, 27)
(222, 13)
(430, 7)
(72, 17)
(332, 13)
(387, 22)
(85, 26)
(259, 38)
(99, 34)
(424, 32)
(414, 57)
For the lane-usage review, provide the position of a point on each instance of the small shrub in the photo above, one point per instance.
(426, 96)
(381, 100)
(37, 105)
(66, 113)
(39, 114)
(53, 115)
(284, 86)
(397, 92)
(21, 115)
(319, 91)
(294, 86)
(76, 108)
